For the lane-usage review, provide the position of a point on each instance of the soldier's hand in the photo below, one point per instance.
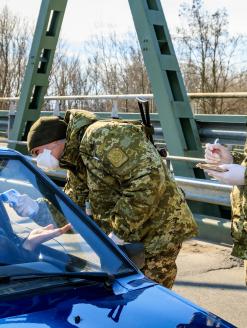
(26, 206)
(234, 176)
(218, 154)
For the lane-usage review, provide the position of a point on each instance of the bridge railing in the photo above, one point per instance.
(231, 129)
(199, 190)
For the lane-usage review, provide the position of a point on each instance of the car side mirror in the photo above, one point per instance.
(136, 252)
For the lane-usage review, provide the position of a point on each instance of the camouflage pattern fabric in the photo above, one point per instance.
(76, 184)
(162, 268)
(129, 188)
(79, 194)
(239, 212)
(238, 156)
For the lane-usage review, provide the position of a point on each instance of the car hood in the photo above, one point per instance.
(152, 307)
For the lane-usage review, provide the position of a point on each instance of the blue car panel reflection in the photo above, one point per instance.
(55, 298)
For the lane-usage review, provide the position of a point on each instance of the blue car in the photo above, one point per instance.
(59, 270)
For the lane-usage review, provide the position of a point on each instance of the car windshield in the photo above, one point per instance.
(30, 205)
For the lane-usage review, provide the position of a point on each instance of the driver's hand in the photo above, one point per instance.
(26, 206)
(39, 236)
(218, 154)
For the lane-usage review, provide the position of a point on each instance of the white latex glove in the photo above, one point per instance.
(116, 239)
(26, 206)
(234, 176)
(218, 154)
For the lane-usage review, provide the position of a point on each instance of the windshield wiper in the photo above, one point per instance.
(88, 276)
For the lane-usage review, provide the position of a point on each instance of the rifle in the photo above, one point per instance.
(143, 105)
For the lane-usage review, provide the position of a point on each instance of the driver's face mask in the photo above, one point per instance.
(47, 161)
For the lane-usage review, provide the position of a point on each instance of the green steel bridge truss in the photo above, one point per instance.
(175, 114)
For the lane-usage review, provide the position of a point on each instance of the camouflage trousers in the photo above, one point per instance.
(162, 267)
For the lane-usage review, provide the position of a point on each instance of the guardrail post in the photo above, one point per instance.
(11, 117)
(56, 108)
(114, 109)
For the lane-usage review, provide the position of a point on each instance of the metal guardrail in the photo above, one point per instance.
(191, 95)
(231, 129)
(206, 191)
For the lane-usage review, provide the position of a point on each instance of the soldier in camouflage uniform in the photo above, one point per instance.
(112, 165)
(235, 162)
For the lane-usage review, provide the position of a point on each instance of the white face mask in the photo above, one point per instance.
(47, 161)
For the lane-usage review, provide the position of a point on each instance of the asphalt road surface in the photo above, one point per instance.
(211, 278)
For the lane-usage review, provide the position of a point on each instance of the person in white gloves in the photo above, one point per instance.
(235, 164)
(39, 210)
(26, 206)
(220, 155)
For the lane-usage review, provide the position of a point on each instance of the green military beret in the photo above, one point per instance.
(46, 130)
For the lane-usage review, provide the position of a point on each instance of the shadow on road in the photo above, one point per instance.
(210, 285)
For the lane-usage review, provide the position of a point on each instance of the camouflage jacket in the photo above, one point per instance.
(76, 185)
(239, 210)
(113, 165)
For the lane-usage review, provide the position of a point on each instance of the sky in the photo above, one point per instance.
(84, 18)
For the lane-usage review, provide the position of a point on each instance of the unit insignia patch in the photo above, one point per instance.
(117, 157)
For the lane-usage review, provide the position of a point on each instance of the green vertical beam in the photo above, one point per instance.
(176, 117)
(38, 68)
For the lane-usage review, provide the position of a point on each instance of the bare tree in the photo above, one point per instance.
(68, 77)
(208, 54)
(106, 65)
(117, 67)
(14, 44)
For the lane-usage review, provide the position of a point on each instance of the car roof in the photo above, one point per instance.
(8, 151)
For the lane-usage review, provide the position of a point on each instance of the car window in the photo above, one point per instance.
(29, 204)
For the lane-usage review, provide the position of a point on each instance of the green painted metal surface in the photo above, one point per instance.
(171, 98)
(231, 119)
(38, 68)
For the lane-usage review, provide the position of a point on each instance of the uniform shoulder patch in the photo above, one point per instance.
(117, 157)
